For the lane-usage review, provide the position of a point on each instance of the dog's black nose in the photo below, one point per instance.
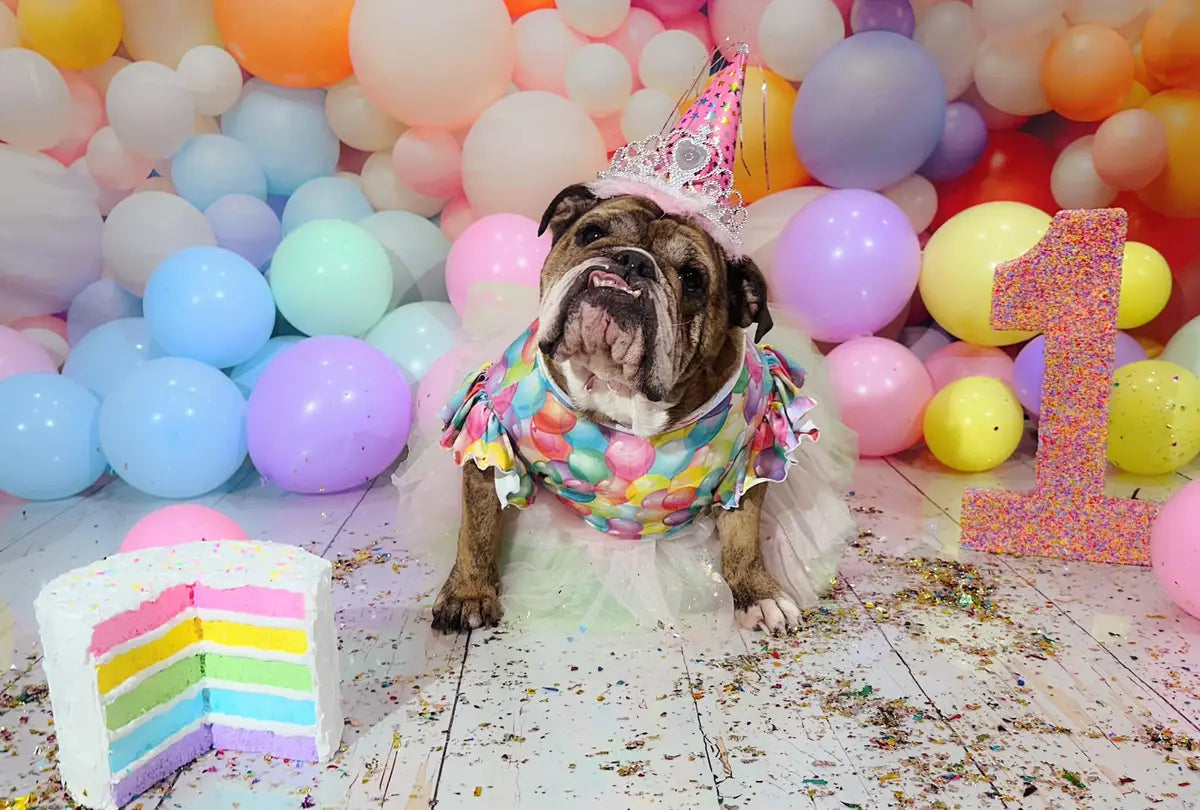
(635, 263)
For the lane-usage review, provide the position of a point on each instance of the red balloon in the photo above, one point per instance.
(1183, 305)
(1015, 167)
(1178, 240)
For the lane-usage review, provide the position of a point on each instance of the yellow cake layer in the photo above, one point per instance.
(230, 634)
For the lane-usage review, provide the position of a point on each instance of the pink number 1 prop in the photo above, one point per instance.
(1068, 286)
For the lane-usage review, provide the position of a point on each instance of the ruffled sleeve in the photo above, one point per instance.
(473, 431)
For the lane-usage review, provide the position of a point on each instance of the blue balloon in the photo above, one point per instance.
(209, 304)
(49, 437)
(246, 374)
(415, 336)
(286, 130)
(98, 303)
(110, 353)
(247, 226)
(176, 428)
(325, 198)
(207, 167)
(870, 111)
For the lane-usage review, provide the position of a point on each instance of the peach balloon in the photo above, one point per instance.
(639, 27)
(609, 127)
(1008, 74)
(544, 46)
(951, 35)
(737, 21)
(648, 112)
(1171, 44)
(429, 161)
(10, 32)
(356, 120)
(101, 76)
(599, 80)
(1176, 191)
(456, 217)
(596, 18)
(87, 116)
(164, 30)
(1017, 17)
(959, 360)
(674, 62)
(1074, 181)
(1109, 13)
(291, 43)
(438, 64)
(386, 193)
(1087, 73)
(917, 198)
(1130, 149)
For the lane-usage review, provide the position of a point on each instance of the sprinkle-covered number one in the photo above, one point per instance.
(1067, 286)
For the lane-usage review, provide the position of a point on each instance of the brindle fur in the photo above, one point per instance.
(705, 351)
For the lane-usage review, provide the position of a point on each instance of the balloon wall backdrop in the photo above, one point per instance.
(246, 231)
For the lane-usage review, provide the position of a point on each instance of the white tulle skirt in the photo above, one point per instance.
(558, 571)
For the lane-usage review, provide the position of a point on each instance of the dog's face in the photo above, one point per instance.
(638, 305)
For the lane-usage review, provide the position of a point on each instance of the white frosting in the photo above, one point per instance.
(70, 606)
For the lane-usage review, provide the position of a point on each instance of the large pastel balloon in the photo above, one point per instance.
(429, 161)
(637, 29)
(144, 229)
(501, 248)
(973, 424)
(869, 112)
(151, 109)
(1130, 149)
(1029, 368)
(20, 354)
(207, 167)
(524, 149)
(35, 103)
(328, 414)
(1176, 191)
(882, 389)
(1174, 552)
(959, 267)
(793, 36)
(959, 360)
(1154, 418)
(178, 524)
(331, 277)
(847, 263)
(74, 35)
(175, 428)
(598, 79)
(293, 43)
(415, 336)
(246, 225)
(544, 44)
(439, 64)
(674, 62)
(287, 131)
(212, 77)
(110, 353)
(325, 198)
(209, 304)
(1008, 72)
(164, 32)
(247, 373)
(950, 34)
(417, 251)
(735, 22)
(49, 437)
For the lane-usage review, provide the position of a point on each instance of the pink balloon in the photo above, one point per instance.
(87, 116)
(1174, 552)
(697, 25)
(960, 359)
(670, 9)
(429, 161)
(51, 323)
(882, 389)
(640, 27)
(495, 248)
(456, 217)
(609, 127)
(179, 524)
(20, 354)
(734, 22)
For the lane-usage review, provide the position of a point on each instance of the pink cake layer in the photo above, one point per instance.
(249, 600)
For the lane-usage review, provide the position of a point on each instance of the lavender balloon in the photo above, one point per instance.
(327, 415)
(847, 264)
(870, 111)
(964, 137)
(883, 15)
(245, 225)
(1030, 367)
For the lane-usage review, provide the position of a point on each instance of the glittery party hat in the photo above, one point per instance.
(689, 169)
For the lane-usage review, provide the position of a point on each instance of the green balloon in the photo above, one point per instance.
(588, 465)
(331, 277)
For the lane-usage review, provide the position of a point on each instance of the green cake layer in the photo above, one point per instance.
(187, 672)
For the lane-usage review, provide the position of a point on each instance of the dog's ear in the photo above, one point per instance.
(748, 296)
(570, 204)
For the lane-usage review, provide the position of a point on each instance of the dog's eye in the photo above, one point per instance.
(589, 234)
(692, 280)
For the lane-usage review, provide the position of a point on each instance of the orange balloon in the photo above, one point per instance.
(517, 8)
(1138, 95)
(766, 159)
(1176, 192)
(1171, 44)
(292, 43)
(1087, 72)
(1140, 73)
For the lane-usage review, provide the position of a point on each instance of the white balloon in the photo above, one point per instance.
(386, 193)
(545, 44)
(674, 62)
(951, 36)
(793, 35)
(150, 109)
(596, 18)
(145, 228)
(417, 250)
(356, 120)
(599, 79)
(1008, 74)
(213, 77)
(35, 104)
(649, 112)
(917, 198)
(1074, 181)
(49, 235)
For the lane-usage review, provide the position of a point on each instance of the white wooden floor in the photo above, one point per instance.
(937, 678)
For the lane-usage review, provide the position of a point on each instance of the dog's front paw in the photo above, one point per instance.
(463, 606)
(775, 615)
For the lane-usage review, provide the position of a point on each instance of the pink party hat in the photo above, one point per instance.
(688, 171)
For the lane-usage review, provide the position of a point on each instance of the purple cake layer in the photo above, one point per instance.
(202, 740)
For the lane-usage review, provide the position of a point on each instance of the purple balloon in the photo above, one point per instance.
(964, 137)
(327, 415)
(245, 225)
(847, 264)
(883, 15)
(870, 111)
(1030, 367)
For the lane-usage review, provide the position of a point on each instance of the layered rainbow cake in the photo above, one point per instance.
(156, 656)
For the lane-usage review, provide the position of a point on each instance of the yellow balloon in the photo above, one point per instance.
(1153, 418)
(73, 34)
(959, 267)
(974, 424)
(1145, 285)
